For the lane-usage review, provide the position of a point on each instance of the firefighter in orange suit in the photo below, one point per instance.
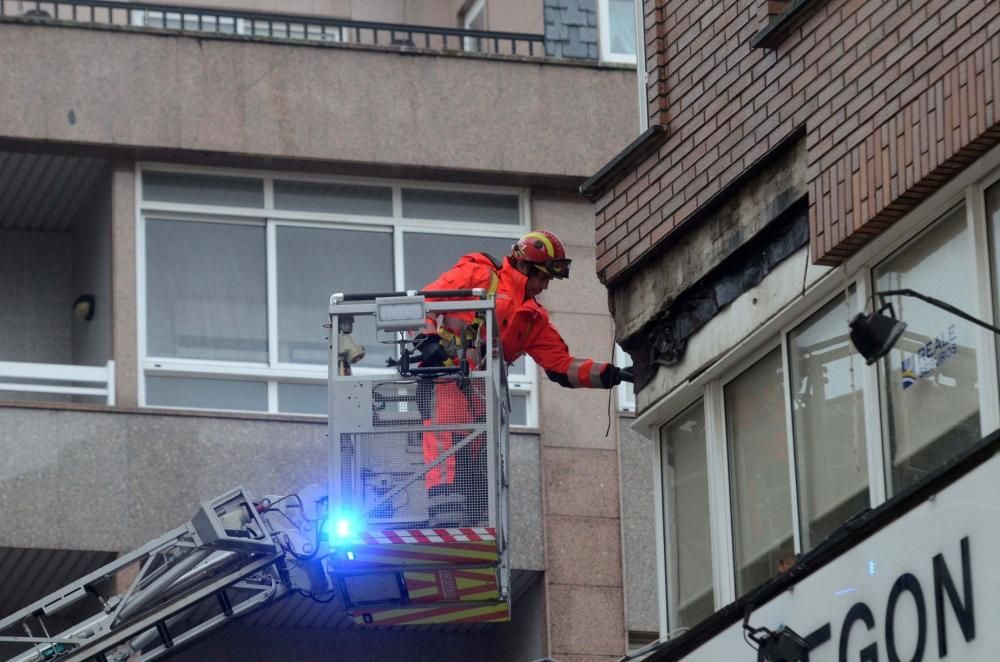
(525, 328)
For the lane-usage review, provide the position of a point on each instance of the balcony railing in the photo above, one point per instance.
(274, 26)
(58, 379)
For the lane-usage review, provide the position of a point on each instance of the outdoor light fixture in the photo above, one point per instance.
(873, 335)
(781, 645)
(83, 307)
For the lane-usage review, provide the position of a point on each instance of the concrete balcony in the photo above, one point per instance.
(365, 109)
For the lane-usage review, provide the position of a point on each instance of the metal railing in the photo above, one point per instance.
(197, 20)
(61, 379)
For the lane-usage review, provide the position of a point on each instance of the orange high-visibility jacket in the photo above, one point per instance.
(525, 327)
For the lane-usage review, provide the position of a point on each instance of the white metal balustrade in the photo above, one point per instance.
(57, 378)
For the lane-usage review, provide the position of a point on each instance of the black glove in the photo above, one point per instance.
(613, 376)
(432, 355)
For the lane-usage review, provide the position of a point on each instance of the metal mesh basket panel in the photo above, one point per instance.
(425, 461)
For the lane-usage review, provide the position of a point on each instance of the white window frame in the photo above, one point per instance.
(274, 371)
(968, 188)
(604, 36)
(625, 391)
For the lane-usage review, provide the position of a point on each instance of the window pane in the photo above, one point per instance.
(828, 422)
(198, 189)
(685, 480)
(622, 27)
(206, 291)
(333, 198)
(314, 263)
(518, 409)
(932, 399)
(302, 399)
(197, 393)
(518, 367)
(461, 206)
(426, 256)
(758, 459)
(993, 223)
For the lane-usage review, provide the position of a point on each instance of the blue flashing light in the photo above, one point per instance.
(871, 568)
(341, 527)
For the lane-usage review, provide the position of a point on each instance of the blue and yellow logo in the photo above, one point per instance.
(907, 376)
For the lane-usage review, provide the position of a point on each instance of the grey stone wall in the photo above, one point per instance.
(571, 29)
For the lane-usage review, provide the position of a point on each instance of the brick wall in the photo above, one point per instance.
(895, 98)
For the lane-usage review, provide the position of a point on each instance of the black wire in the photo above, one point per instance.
(312, 596)
(282, 513)
(610, 390)
(294, 495)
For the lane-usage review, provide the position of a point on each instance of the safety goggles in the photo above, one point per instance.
(554, 268)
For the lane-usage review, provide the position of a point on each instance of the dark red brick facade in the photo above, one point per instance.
(894, 98)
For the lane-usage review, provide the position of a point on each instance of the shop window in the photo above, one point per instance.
(992, 200)
(827, 398)
(685, 508)
(759, 473)
(930, 378)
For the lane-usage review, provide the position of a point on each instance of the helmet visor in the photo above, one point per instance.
(555, 267)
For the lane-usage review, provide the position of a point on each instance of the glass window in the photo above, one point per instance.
(931, 408)
(827, 421)
(759, 472)
(519, 408)
(428, 255)
(197, 189)
(621, 27)
(685, 507)
(302, 399)
(210, 312)
(206, 291)
(332, 198)
(461, 206)
(617, 21)
(992, 195)
(312, 264)
(201, 393)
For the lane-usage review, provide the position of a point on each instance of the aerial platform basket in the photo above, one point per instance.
(418, 466)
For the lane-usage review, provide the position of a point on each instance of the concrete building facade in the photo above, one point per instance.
(800, 158)
(202, 180)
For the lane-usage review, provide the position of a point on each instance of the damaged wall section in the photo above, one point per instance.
(663, 341)
(732, 243)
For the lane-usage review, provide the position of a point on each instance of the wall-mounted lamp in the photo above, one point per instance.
(781, 645)
(874, 334)
(83, 307)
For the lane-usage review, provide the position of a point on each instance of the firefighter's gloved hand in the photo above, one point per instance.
(432, 354)
(619, 375)
(613, 376)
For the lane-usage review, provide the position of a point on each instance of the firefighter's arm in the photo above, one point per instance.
(549, 350)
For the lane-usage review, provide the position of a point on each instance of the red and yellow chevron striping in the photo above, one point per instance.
(473, 584)
(385, 556)
(497, 613)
